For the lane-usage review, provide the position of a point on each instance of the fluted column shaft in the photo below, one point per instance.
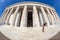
(24, 17)
(41, 19)
(17, 22)
(3, 16)
(35, 17)
(52, 19)
(8, 17)
(11, 20)
(45, 16)
(15, 14)
(57, 16)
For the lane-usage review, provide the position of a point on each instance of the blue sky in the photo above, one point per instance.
(54, 3)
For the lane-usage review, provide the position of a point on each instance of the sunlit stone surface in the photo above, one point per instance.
(24, 21)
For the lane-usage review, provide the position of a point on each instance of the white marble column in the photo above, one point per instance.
(11, 19)
(55, 20)
(8, 17)
(15, 14)
(3, 15)
(17, 22)
(45, 16)
(41, 18)
(35, 17)
(24, 17)
(57, 16)
(51, 17)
